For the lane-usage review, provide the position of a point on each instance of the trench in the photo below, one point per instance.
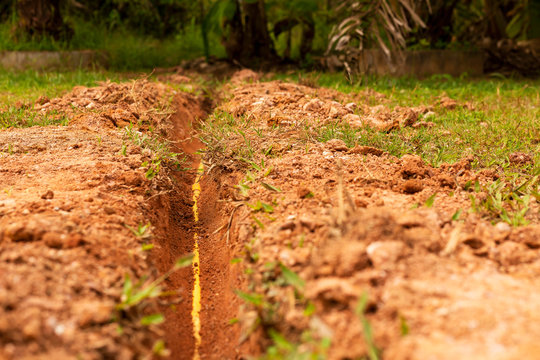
(191, 221)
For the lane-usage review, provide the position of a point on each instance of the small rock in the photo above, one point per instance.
(32, 230)
(335, 289)
(92, 313)
(32, 329)
(181, 79)
(446, 180)
(406, 116)
(337, 110)
(349, 258)
(361, 203)
(132, 179)
(48, 195)
(109, 210)
(378, 124)
(351, 106)
(355, 121)
(412, 166)
(309, 223)
(384, 254)
(512, 253)
(304, 192)
(54, 240)
(412, 186)
(333, 112)
(501, 231)
(42, 100)
(244, 75)
(336, 145)
(73, 240)
(448, 103)
(313, 105)
(423, 124)
(364, 150)
(520, 158)
(289, 225)
(286, 257)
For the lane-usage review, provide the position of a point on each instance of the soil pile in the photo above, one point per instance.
(111, 105)
(440, 278)
(75, 236)
(280, 103)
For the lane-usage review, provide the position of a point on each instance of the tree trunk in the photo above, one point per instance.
(234, 42)
(42, 17)
(439, 23)
(249, 41)
(496, 22)
(257, 41)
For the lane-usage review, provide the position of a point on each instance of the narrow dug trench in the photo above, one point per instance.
(190, 221)
(75, 206)
(337, 237)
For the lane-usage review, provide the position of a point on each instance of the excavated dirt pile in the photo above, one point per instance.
(75, 252)
(441, 281)
(113, 105)
(280, 103)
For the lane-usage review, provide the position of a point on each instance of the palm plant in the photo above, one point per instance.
(372, 23)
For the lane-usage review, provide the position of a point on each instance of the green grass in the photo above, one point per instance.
(159, 151)
(27, 86)
(124, 49)
(505, 118)
(14, 117)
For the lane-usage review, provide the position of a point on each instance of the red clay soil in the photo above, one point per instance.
(218, 278)
(64, 247)
(219, 304)
(68, 197)
(355, 221)
(347, 221)
(288, 104)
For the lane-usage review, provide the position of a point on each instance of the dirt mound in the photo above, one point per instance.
(111, 105)
(347, 225)
(76, 242)
(65, 246)
(334, 238)
(279, 103)
(244, 75)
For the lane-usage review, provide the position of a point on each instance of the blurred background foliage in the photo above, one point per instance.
(151, 33)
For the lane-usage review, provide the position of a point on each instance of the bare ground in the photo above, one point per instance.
(349, 222)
